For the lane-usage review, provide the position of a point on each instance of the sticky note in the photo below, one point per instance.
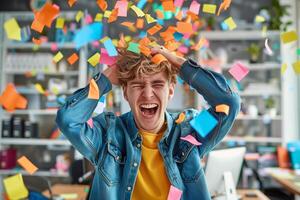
(15, 188)
(71, 2)
(149, 19)
(296, 67)
(106, 59)
(222, 108)
(98, 17)
(88, 19)
(11, 99)
(134, 47)
(27, 165)
(36, 41)
(137, 11)
(209, 8)
(158, 58)
(195, 7)
(191, 140)
(283, 68)
(298, 52)
(90, 123)
(109, 46)
(140, 23)
(94, 59)
(259, 19)
(102, 4)
(73, 58)
(238, 71)
(288, 37)
(53, 47)
(154, 29)
(203, 123)
(230, 23)
(141, 4)
(69, 196)
(88, 34)
(107, 13)
(174, 193)
(58, 56)
(79, 15)
(113, 15)
(12, 29)
(184, 27)
(122, 8)
(127, 24)
(60, 22)
(39, 88)
(145, 50)
(180, 118)
(93, 90)
(178, 3)
(168, 5)
(224, 6)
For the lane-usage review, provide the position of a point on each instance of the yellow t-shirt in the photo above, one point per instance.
(152, 182)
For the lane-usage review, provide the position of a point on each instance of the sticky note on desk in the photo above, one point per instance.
(209, 8)
(12, 29)
(15, 188)
(230, 23)
(238, 71)
(203, 123)
(288, 37)
(69, 196)
(174, 193)
(27, 165)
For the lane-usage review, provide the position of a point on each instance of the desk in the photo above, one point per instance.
(259, 194)
(58, 189)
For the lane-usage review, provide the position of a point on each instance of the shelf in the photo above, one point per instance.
(256, 66)
(21, 72)
(34, 112)
(238, 35)
(46, 45)
(32, 141)
(258, 93)
(249, 139)
(38, 173)
(35, 92)
(245, 117)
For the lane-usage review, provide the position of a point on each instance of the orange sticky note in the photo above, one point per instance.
(11, 99)
(159, 14)
(179, 16)
(222, 108)
(158, 58)
(180, 118)
(102, 4)
(93, 90)
(145, 41)
(27, 165)
(184, 27)
(113, 16)
(140, 23)
(168, 5)
(71, 2)
(154, 29)
(73, 58)
(127, 24)
(145, 50)
(36, 41)
(224, 6)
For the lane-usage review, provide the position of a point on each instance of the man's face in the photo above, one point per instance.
(148, 97)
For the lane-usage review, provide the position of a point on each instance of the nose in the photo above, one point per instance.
(148, 91)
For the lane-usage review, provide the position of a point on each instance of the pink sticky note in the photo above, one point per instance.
(106, 59)
(54, 47)
(178, 3)
(96, 44)
(191, 140)
(90, 123)
(195, 7)
(122, 8)
(238, 71)
(88, 19)
(183, 49)
(174, 193)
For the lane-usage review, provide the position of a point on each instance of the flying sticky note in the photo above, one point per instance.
(154, 29)
(102, 4)
(137, 11)
(180, 118)
(145, 50)
(149, 19)
(209, 8)
(230, 23)
(71, 2)
(122, 8)
(184, 27)
(60, 22)
(168, 5)
(73, 58)
(98, 17)
(140, 23)
(53, 47)
(283, 68)
(288, 37)
(191, 140)
(58, 56)
(93, 90)
(88, 34)
(203, 123)
(178, 3)
(39, 88)
(15, 188)
(259, 19)
(174, 193)
(195, 7)
(113, 15)
(90, 123)
(298, 52)
(238, 71)
(222, 108)
(106, 59)
(127, 24)
(12, 29)
(11, 99)
(94, 60)
(296, 67)
(134, 47)
(27, 165)
(158, 58)
(110, 47)
(79, 15)
(224, 6)
(107, 13)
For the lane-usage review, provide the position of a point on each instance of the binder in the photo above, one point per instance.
(6, 128)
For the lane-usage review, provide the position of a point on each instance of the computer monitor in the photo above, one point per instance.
(220, 161)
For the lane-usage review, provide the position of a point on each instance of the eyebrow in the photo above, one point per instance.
(141, 82)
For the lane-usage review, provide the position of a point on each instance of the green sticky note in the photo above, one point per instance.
(134, 47)
(298, 52)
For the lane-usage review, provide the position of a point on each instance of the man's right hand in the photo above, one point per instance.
(111, 74)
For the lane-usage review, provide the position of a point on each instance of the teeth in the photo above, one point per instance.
(150, 105)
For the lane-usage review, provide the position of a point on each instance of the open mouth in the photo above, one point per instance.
(149, 110)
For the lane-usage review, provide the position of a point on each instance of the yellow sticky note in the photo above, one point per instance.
(137, 11)
(69, 196)
(259, 19)
(296, 67)
(60, 22)
(79, 15)
(58, 57)
(283, 68)
(39, 88)
(107, 13)
(15, 188)
(230, 23)
(149, 19)
(264, 31)
(209, 8)
(94, 60)
(288, 37)
(98, 17)
(12, 29)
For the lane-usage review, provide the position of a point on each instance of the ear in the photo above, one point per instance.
(124, 88)
(171, 90)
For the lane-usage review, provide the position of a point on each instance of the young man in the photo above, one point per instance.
(141, 155)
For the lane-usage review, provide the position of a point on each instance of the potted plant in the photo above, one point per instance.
(254, 52)
(270, 106)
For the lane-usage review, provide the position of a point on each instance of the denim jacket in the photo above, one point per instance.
(113, 144)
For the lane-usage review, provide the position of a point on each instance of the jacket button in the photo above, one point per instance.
(182, 153)
(135, 164)
(128, 188)
(138, 145)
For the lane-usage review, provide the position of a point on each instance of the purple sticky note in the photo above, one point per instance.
(174, 193)
(238, 71)
(90, 123)
(106, 59)
(178, 3)
(122, 8)
(195, 7)
(191, 140)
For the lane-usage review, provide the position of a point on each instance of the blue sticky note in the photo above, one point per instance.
(110, 48)
(180, 81)
(224, 26)
(177, 36)
(88, 34)
(143, 34)
(203, 123)
(141, 4)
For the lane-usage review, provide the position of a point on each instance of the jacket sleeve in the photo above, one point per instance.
(216, 91)
(72, 119)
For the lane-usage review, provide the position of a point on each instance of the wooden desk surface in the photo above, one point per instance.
(258, 193)
(58, 189)
(288, 182)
